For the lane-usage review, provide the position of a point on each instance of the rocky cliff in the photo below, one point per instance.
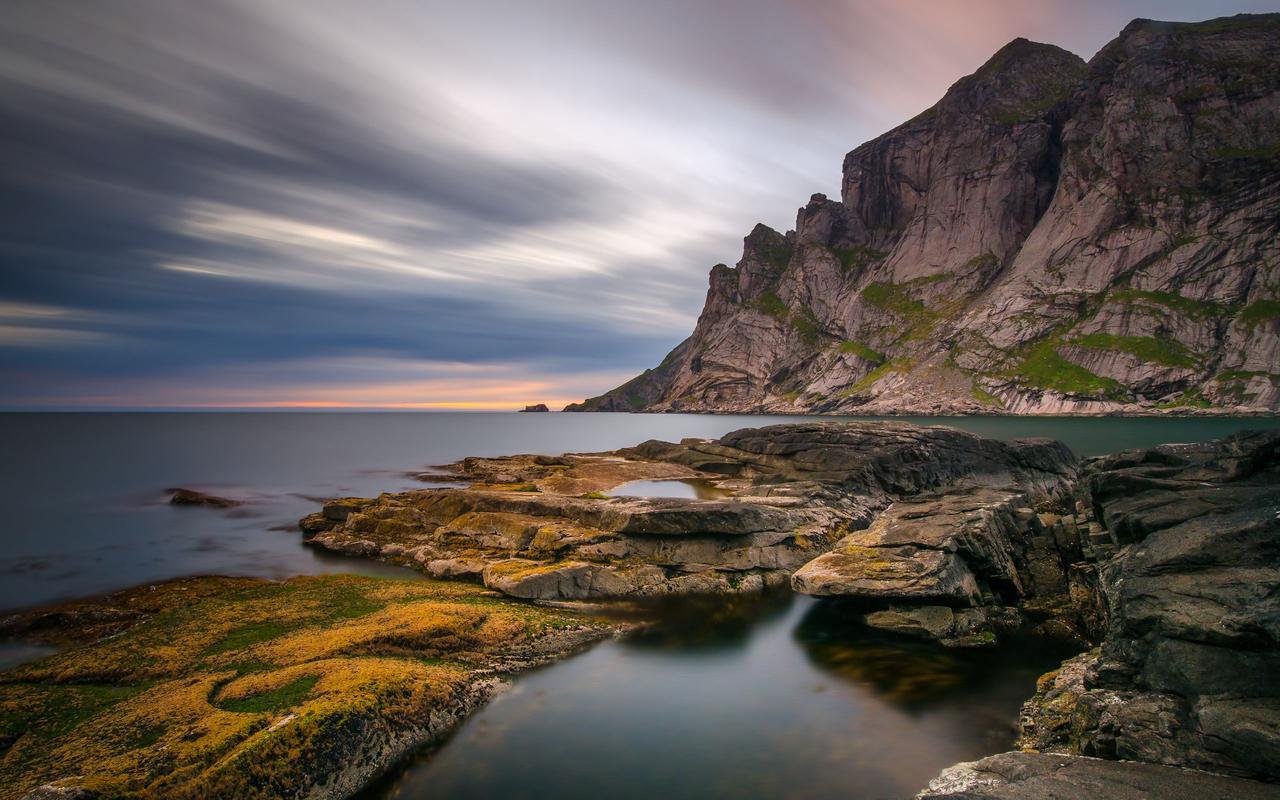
(1053, 236)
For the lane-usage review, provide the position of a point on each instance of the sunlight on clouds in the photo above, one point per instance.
(34, 325)
(353, 382)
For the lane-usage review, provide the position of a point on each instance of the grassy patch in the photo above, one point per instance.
(870, 379)
(806, 326)
(1197, 309)
(894, 299)
(1043, 367)
(854, 259)
(1259, 312)
(1146, 348)
(982, 263)
(1188, 399)
(189, 702)
(769, 303)
(1265, 153)
(248, 635)
(287, 696)
(862, 351)
(986, 398)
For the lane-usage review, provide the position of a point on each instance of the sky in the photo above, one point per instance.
(430, 205)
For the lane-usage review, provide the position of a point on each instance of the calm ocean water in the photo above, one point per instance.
(735, 698)
(85, 508)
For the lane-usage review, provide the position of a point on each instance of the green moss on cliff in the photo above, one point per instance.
(855, 258)
(862, 351)
(1146, 348)
(1197, 309)
(1262, 311)
(806, 326)
(1191, 398)
(769, 303)
(1043, 367)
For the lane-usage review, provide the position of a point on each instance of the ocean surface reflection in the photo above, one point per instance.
(746, 697)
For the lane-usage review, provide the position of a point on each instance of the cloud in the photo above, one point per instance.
(194, 197)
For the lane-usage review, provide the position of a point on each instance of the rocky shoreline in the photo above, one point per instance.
(239, 687)
(1161, 567)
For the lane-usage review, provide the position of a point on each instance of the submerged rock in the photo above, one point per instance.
(191, 497)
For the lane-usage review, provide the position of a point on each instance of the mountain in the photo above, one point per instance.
(1053, 236)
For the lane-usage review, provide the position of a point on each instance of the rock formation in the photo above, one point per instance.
(1166, 562)
(542, 527)
(1053, 236)
(1188, 671)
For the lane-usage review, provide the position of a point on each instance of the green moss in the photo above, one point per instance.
(891, 297)
(769, 303)
(200, 725)
(777, 255)
(523, 487)
(1146, 348)
(247, 635)
(986, 398)
(1188, 399)
(595, 496)
(894, 298)
(1262, 311)
(870, 379)
(1198, 309)
(806, 326)
(862, 351)
(1244, 375)
(1043, 367)
(287, 696)
(1265, 153)
(855, 258)
(1032, 110)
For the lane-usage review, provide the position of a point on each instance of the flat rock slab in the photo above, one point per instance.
(889, 573)
(1038, 776)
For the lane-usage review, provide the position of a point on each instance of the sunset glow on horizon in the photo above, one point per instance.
(437, 205)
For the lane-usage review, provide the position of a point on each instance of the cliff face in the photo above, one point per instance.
(1052, 236)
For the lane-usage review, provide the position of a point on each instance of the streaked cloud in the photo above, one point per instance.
(203, 202)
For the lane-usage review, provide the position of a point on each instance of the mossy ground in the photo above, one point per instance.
(242, 688)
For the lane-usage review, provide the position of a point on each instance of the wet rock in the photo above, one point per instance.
(542, 527)
(1188, 673)
(1035, 776)
(191, 497)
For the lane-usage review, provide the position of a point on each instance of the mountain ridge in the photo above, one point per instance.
(1051, 236)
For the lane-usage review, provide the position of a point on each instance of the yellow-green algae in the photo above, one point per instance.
(242, 688)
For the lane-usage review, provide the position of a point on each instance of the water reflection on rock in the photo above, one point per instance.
(901, 671)
(692, 488)
(705, 624)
